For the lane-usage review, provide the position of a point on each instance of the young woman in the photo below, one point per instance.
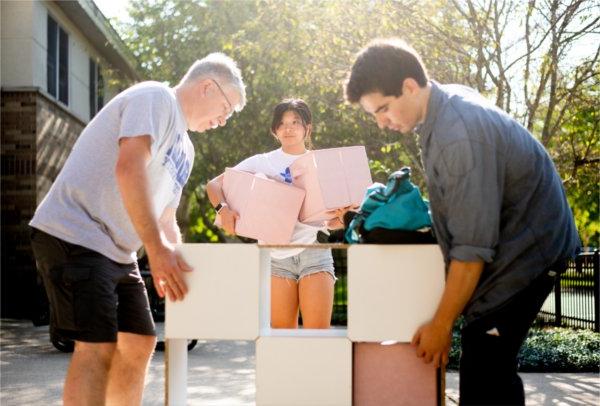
(301, 279)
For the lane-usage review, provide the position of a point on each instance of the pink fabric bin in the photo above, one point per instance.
(389, 375)
(268, 209)
(332, 178)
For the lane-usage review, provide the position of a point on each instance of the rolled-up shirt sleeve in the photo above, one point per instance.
(472, 198)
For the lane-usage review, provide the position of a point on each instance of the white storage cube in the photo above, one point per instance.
(392, 290)
(307, 369)
(228, 293)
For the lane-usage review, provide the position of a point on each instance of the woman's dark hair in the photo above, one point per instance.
(382, 67)
(299, 107)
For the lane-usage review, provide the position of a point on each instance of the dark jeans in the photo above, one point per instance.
(488, 364)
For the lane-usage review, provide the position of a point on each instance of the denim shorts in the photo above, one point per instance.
(92, 298)
(309, 261)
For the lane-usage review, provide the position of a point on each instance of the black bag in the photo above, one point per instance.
(379, 235)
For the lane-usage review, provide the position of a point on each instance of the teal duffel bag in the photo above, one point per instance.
(395, 206)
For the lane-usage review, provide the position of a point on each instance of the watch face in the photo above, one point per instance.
(219, 207)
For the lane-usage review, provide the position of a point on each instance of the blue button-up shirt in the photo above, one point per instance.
(495, 195)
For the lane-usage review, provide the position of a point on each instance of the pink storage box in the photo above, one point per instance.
(389, 375)
(268, 209)
(332, 178)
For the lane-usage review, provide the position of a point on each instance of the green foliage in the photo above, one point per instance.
(454, 354)
(549, 350)
(560, 350)
(305, 49)
(199, 229)
(300, 49)
(576, 152)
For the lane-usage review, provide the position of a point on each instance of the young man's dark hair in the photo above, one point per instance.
(382, 67)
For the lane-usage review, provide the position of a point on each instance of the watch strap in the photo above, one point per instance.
(220, 206)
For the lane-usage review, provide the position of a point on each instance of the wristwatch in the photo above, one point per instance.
(220, 206)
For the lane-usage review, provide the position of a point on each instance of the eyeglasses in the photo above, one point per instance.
(230, 106)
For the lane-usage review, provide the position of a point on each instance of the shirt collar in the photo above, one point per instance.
(435, 99)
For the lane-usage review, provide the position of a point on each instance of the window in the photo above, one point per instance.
(96, 88)
(58, 62)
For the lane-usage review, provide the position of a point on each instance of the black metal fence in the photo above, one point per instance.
(340, 297)
(574, 301)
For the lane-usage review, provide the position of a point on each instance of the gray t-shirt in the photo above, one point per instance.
(84, 204)
(495, 195)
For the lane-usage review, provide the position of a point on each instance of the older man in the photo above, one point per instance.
(119, 190)
(499, 211)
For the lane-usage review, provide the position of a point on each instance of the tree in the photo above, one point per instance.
(305, 49)
(538, 61)
(576, 155)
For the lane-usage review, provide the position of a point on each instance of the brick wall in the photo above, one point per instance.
(37, 136)
(57, 131)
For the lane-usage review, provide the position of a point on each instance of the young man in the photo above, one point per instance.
(117, 191)
(499, 212)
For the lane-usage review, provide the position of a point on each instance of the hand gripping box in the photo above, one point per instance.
(332, 178)
(268, 209)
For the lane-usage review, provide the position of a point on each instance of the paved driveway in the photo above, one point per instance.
(220, 373)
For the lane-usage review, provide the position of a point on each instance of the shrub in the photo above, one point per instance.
(549, 350)
(560, 350)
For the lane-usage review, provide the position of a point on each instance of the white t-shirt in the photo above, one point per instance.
(84, 205)
(275, 165)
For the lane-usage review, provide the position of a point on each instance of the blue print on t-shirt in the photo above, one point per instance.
(286, 175)
(177, 163)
